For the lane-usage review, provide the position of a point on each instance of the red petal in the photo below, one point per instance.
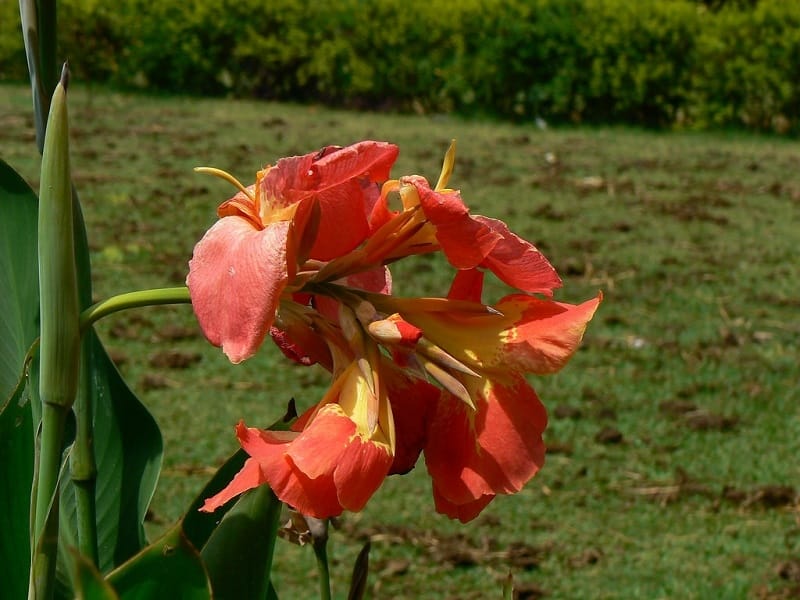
(463, 512)
(465, 241)
(467, 285)
(249, 477)
(494, 451)
(378, 280)
(330, 447)
(518, 262)
(341, 179)
(318, 448)
(546, 335)
(236, 277)
(361, 470)
(311, 496)
(412, 403)
(300, 342)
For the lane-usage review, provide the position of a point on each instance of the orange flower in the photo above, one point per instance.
(333, 459)
(495, 445)
(302, 256)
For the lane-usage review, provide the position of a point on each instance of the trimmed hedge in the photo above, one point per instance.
(649, 62)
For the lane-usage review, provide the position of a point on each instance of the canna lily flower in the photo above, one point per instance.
(494, 446)
(330, 461)
(314, 206)
(302, 256)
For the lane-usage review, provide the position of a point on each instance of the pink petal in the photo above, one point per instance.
(236, 277)
(518, 262)
(361, 470)
(318, 448)
(311, 496)
(378, 281)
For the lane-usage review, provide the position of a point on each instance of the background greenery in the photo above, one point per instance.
(680, 63)
(674, 433)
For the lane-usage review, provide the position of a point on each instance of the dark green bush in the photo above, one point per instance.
(750, 68)
(651, 62)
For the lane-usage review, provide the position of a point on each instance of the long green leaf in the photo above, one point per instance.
(168, 568)
(19, 284)
(19, 328)
(89, 583)
(238, 555)
(200, 525)
(129, 449)
(16, 475)
(127, 439)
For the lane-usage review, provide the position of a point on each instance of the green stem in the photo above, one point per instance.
(45, 528)
(321, 553)
(83, 468)
(176, 295)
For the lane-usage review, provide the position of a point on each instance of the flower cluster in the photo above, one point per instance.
(301, 256)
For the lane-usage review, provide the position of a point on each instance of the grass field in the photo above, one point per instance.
(674, 436)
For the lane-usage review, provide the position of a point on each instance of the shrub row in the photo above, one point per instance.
(650, 62)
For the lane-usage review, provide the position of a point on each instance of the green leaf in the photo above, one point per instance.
(129, 448)
(19, 328)
(358, 582)
(19, 282)
(127, 443)
(238, 555)
(16, 475)
(89, 583)
(169, 568)
(200, 525)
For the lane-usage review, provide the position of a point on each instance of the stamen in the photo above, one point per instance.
(447, 167)
(227, 177)
(448, 382)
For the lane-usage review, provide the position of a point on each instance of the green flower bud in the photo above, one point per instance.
(58, 286)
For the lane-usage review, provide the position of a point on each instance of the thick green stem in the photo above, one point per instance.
(321, 553)
(45, 525)
(176, 295)
(83, 468)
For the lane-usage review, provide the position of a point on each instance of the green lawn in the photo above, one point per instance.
(674, 436)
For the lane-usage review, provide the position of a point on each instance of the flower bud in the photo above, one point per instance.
(58, 287)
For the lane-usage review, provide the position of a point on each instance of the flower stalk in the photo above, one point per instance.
(154, 297)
